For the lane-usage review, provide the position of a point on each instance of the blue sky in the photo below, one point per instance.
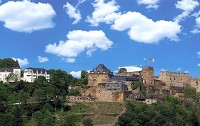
(76, 35)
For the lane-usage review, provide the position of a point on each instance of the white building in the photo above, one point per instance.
(31, 74)
(10, 74)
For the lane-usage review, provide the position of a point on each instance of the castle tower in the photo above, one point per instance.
(148, 75)
(100, 74)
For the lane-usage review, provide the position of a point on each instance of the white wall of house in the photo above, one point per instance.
(5, 74)
(31, 76)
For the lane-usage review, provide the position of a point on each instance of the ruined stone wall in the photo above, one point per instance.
(136, 73)
(195, 83)
(94, 78)
(110, 96)
(175, 79)
(91, 91)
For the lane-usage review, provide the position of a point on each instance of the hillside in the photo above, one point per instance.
(101, 113)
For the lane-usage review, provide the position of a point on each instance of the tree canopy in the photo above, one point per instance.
(7, 63)
(122, 70)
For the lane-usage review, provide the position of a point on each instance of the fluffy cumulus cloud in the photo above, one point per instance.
(131, 68)
(42, 59)
(73, 12)
(198, 65)
(143, 29)
(80, 41)
(22, 62)
(76, 74)
(26, 16)
(149, 3)
(104, 12)
(187, 6)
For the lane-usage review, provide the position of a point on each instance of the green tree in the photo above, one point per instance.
(38, 116)
(7, 63)
(74, 91)
(6, 119)
(17, 117)
(60, 80)
(135, 85)
(122, 70)
(39, 94)
(84, 74)
(47, 119)
(189, 92)
(11, 77)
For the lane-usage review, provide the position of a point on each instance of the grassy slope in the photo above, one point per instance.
(100, 112)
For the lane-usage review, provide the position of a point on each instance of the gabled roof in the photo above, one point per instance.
(101, 69)
(16, 65)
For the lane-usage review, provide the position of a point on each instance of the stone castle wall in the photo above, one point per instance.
(175, 79)
(195, 83)
(94, 78)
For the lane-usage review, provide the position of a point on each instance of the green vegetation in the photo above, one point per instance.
(135, 85)
(102, 84)
(39, 103)
(7, 63)
(87, 122)
(122, 70)
(168, 113)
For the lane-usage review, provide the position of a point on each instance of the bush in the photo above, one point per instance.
(87, 122)
(135, 85)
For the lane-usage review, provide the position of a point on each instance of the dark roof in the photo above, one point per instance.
(40, 70)
(16, 65)
(124, 78)
(101, 69)
(6, 69)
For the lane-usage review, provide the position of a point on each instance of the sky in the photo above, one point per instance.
(75, 35)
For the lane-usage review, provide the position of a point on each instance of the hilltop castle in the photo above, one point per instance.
(104, 86)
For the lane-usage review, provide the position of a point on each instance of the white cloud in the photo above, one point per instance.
(104, 12)
(198, 65)
(163, 69)
(149, 3)
(152, 32)
(73, 12)
(78, 42)
(70, 60)
(187, 6)
(179, 69)
(196, 14)
(131, 68)
(42, 59)
(198, 53)
(197, 27)
(80, 2)
(26, 16)
(198, 22)
(186, 71)
(22, 62)
(76, 74)
(195, 31)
